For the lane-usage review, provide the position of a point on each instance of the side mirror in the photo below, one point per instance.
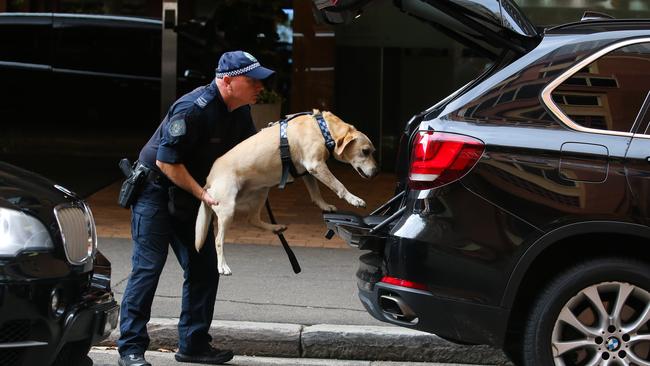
(192, 74)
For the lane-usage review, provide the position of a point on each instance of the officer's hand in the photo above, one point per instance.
(205, 197)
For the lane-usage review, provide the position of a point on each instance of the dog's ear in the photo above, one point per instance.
(343, 142)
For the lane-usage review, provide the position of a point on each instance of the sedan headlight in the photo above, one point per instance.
(19, 231)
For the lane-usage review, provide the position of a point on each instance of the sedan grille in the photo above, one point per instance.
(15, 331)
(10, 332)
(11, 356)
(77, 228)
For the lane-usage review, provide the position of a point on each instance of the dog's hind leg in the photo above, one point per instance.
(314, 193)
(225, 213)
(257, 200)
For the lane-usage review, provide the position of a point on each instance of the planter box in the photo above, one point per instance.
(264, 113)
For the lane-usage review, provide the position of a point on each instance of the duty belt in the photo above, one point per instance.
(152, 175)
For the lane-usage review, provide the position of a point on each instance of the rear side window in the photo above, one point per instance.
(608, 93)
(25, 41)
(110, 47)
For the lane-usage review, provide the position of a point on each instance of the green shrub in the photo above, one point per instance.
(268, 97)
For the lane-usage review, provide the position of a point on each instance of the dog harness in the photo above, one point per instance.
(285, 154)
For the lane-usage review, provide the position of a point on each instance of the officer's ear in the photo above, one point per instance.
(226, 81)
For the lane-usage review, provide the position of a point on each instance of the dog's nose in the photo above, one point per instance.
(374, 173)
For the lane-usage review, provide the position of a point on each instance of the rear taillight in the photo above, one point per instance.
(439, 158)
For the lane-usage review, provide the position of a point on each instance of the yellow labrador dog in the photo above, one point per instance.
(241, 178)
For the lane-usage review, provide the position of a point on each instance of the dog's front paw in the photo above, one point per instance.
(277, 229)
(355, 201)
(327, 207)
(224, 269)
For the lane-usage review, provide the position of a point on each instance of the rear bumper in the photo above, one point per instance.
(454, 320)
(450, 318)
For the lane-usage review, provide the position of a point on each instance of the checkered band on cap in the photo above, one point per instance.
(236, 72)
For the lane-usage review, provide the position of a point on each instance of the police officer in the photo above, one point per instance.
(199, 127)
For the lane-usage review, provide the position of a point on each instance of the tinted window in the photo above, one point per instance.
(108, 46)
(608, 94)
(25, 39)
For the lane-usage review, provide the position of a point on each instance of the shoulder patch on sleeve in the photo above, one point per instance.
(177, 128)
(206, 97)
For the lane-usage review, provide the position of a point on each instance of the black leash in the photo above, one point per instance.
(292, 257)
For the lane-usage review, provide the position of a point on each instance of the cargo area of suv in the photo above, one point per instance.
(520, 216)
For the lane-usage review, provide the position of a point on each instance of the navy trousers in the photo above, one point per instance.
(153, 230)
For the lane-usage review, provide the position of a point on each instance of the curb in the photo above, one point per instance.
(350, 342)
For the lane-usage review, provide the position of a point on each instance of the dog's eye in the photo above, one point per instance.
(366, 152)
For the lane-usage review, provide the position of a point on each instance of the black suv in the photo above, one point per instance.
(55, 295)
(521, 213)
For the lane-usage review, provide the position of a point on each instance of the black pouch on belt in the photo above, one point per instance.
(182, 205)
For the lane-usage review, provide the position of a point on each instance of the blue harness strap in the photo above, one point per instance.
(329, 141)
(285, 153)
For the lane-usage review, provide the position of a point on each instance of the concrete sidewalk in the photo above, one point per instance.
(103, 356)
(326, 342)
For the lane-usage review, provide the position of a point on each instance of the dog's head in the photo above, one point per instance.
(353, 147)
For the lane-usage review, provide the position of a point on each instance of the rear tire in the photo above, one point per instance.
(600, 306)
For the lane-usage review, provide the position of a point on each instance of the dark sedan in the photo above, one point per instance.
(55, 295)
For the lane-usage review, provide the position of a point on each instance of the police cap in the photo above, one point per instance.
(241, 63)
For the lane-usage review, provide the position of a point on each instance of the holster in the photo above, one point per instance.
(133, 184)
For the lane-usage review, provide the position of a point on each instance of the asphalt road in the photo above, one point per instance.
(262, 288)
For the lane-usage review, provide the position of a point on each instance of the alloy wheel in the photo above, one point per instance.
(604, 324)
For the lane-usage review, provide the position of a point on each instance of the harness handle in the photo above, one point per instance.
(292, 257)
(285, 154)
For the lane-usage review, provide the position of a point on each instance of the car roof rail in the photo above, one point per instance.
(594, 15)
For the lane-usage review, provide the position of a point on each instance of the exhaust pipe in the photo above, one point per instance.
(397, 308)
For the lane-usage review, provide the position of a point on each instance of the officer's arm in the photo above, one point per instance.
(179, 175)
(178, 135)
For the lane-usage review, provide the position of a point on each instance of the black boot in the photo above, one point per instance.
(212, 356)
(133, 360)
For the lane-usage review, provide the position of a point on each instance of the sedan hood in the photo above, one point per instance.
(27, 191)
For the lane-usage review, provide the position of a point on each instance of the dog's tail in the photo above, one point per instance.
(202, 225)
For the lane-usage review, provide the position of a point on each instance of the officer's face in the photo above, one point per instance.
(246, 89)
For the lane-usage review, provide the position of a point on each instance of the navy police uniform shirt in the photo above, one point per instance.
(196, 131)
